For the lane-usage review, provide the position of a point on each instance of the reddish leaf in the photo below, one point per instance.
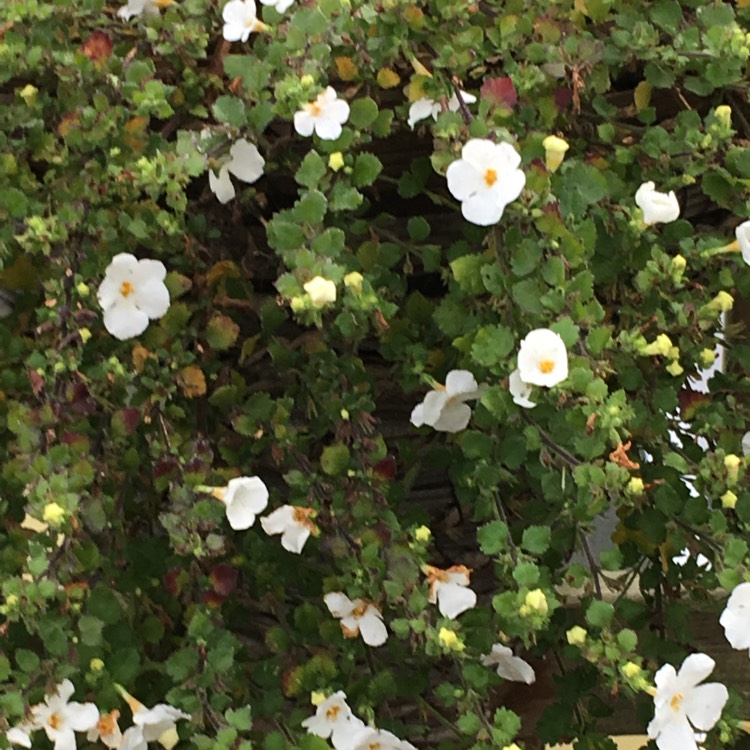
(690, 401)
(386, 468)
(563, 98)
(98, 46)
(224, 579)
(500, 91)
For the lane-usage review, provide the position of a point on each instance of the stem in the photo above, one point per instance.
(732, 247)
(550, 443)
(504, 518)
(422, 702)
(592, 564)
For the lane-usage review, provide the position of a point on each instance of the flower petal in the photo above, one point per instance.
(152, 298)
(304, 123)
(327, 129)
(454, 599)
(294, 538)
(82, 716)
(278, 521)
(675, 734)
(124, 321)
(695, 669)
(247, 163)
(221, 186)
(454, 418)
(482, 209)
(372, 628)
(461, 382)
(704, 704)
(338, 603)
(433, 405)
(464, 180)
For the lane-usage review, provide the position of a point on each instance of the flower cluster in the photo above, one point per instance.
(61, 719)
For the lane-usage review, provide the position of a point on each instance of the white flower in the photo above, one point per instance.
(20, 734)
(379, 739)
(542, 358)
(322, 291)
(508, 666)
(449, 589)
(132, 292)
(142, 8)
(133, 739)
(280, 5)
(682, 706)
(520, 390)
(244, 498)
(333, 718)
(106, 730)
(240, 20)
(245, 163)
(742, 233)
(426, 107)
(658, 208)
(485, 179)
(157, 721)
(358, 617)
(445, 409)
(735, 619)
(746, 444)
(60, 719)
(325, 116)
(294, 525)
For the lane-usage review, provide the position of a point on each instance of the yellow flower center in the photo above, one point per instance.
(546, 366)
(676, 701)
(126, 289)
(314, 109)
(490, 177)
(54, 721)
(332, 713)
(108, 722)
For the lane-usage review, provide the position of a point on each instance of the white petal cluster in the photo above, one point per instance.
(281, 6)
(508, 666)
(542, 358)
(658, 208)
(240, 20)
(358, 617)
(520, 391)
(321, 291)
(445, 408)
(245, 163)
(334, 719)
(682, 706)
(58, 717)
(135, 8)
(324, 116)
(735, 619)
(294, 525)
(133, 291)
(742, 233)
(244, 498)
(485, 179)
(449, 589)
(426, 107)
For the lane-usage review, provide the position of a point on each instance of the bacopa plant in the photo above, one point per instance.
(374, 374)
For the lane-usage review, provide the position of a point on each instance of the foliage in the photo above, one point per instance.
(134, 577)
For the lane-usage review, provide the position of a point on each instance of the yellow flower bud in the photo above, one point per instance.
(297, 304)
(336, 161)
(674, 353)
(576, 636)
(83, 289)
(354, 281)
(662, 345)
(675, 369)
(96, 665)
(11, 601)
(635, 486)
(722, 302)
(512, 746)
(679, 264)
(631, 670)
(28, 94)
(422, 534)
(321, 291)
(732, 464)
(85, 334)
(169, 738)
(708, 357)
(537, 601)
(728, 500)
(307, 80)
(317, 697)
(448, 639)
(723, 114)
(554, 151)
(53, 514)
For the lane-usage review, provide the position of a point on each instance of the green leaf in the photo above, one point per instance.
(366, 169)
(104, 604)
(311, 207)
(362, 112)
(284, 235)
(418, 228)
(492, 537)
(536, 539)
(311, 170)
(91, 630)
(335, 459)
(492, 345)
(221, 332)
(26, 660)
(241, 718)
(526, 574)
(467, 271)
(230, 110)
(567, 329)
(599, 614)
(330, 243)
